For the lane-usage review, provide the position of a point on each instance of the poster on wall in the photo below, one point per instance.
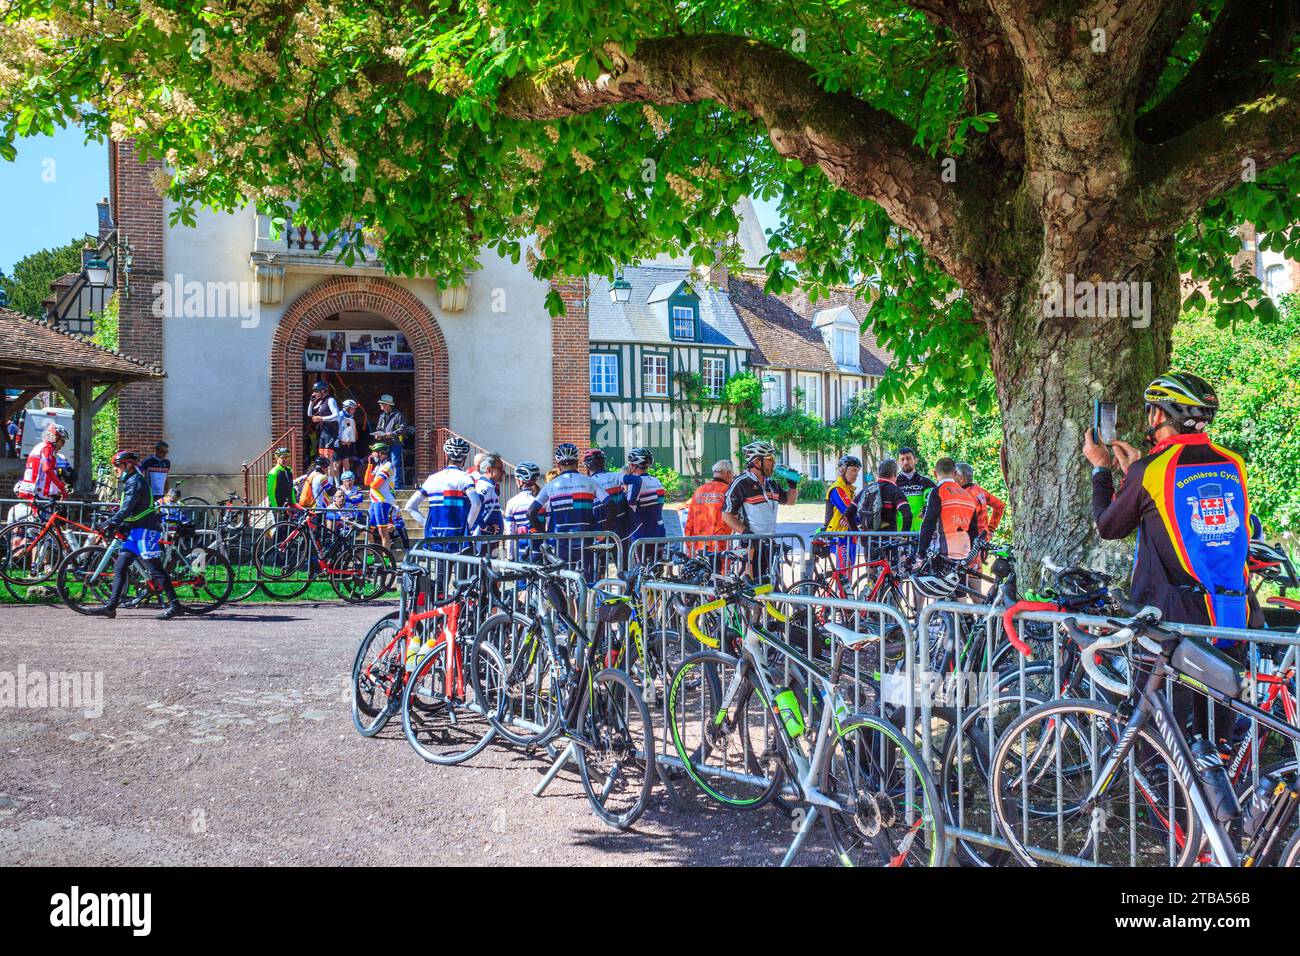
(358, 352)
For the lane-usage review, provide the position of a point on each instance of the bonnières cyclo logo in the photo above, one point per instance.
(74, 909)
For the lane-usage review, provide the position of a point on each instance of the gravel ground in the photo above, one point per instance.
(227, 739)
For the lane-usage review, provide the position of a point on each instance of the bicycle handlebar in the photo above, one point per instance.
(1093, 644)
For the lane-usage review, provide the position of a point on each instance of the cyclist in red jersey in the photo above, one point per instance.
(41, 476)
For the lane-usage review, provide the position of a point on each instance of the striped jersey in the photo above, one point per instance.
(570, 501)
(379, 479)
(448, 492)
(645, 502)
(610, 484)
(516, 513)
(489, 514)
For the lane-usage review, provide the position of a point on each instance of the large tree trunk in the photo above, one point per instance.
(1049, 370)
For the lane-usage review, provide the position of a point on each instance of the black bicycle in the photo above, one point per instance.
(552, 687)
(1086, 779)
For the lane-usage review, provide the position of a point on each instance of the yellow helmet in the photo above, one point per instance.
(1188, 400)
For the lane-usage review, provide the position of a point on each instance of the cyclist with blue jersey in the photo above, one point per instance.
(454, 502)
(137, 518)
(610, 483)
(567, 503)
(528, 477)
(645, 498)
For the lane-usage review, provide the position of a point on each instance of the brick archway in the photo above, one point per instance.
(397, 305)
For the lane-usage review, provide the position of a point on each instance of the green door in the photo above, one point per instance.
(717, 444)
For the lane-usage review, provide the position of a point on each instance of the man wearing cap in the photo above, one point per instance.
(704, 514)
(391, 430)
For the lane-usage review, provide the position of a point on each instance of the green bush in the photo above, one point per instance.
(669, 478)
(813, 489)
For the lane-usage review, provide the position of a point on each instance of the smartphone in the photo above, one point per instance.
(1104, 415)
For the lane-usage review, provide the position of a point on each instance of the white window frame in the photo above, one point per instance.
(812, 463)
(847, 348)
(606, 375)
(719, 363)
(773, 395)
(850, 388)
(650, 365)
(682, 313)
(1272, 275)
(812, 394)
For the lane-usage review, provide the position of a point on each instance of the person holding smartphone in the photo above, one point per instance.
(1187, 499)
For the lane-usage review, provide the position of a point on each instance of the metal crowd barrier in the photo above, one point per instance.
(964, 708)
(772, 558)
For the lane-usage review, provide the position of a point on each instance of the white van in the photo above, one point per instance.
(35, 422)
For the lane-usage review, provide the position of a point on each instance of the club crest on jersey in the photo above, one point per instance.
(1212, 513)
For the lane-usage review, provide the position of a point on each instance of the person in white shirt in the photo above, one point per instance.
(528, 476)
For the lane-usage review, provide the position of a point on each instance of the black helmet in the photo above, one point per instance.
(320, 386)
(320, 461)
(594, 459)
(1188, 400)
(122, 457)
(566, 453)
(850, 461)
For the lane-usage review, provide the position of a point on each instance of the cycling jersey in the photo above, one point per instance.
(611, 495)
(838, 501)
(454, 503)
(916, 488)
(704, 516)
(379, 479)
(570, 500)
(136, 509)
(488, 520)
(1187, 500)
(645, 503)
(41, 475)
(949, 521)
(993, 506)
(353, 496)
(515, 516)
(754, 501)
(156, 469)
(316, 489)
(279, 486)
(329, 412)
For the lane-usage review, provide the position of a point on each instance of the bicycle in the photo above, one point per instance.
(552, 688)
(36, 547)
(200, 577)
(747, 736)
(1119, 769)
(298, 546)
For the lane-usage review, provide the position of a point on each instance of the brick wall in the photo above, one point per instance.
(570, 388)
(138, 211)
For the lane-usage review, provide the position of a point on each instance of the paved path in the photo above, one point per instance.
(227, 740)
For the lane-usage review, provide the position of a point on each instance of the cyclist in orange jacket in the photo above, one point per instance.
(704, 516)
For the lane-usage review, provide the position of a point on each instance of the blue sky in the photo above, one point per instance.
(48, 194)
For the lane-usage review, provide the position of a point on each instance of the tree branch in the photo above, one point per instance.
(1233, 68)
(864, 150)
(1178, 177)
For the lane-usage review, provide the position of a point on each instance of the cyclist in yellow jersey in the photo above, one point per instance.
(841, 512)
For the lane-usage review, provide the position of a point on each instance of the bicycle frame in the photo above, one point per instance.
(1153, 708)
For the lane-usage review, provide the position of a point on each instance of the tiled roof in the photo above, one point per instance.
(637, 321)
(785, 338)
(32, 346)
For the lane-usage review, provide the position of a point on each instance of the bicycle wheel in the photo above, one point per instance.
(1291, 853)
(890, 814)
(730, 754)
(964, 774)
(77, 582)
(201, 585)
(444, 721)
(811, 587)
(616, 755)
(282, 551)
(365, 573)
(1043, 768)
(378, 675)
(523, 705)
(194, 501)
(33, 558)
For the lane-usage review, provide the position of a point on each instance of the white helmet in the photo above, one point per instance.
(456, 448)
(53, 431)
(758, 449)
(937, 581)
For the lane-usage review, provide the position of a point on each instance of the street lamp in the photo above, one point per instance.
(621, 290)
(97, 272)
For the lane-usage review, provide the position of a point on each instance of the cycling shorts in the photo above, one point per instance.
(143, 542)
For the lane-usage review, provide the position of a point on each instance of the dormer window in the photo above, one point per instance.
(684, 320)
(846, 348)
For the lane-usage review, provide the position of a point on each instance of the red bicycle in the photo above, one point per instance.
(34, 547)
(294, 551)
